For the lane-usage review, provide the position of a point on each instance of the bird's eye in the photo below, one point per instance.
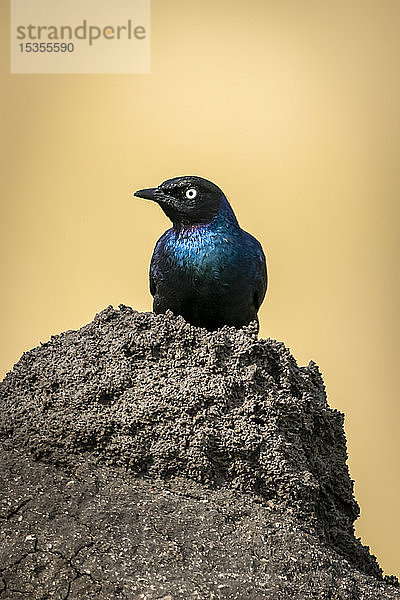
(191, 193)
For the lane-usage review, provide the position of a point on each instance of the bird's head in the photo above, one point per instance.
(187, 200)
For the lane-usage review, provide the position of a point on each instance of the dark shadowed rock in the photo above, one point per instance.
(144, 458)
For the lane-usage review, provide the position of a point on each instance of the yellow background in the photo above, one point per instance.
(292, 107)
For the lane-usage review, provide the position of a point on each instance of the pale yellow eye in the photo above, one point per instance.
(191, 193)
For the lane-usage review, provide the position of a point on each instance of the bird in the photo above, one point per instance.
(205, 267)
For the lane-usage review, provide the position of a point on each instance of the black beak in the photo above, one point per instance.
(148, 194)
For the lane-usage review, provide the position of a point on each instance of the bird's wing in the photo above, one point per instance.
(258, 268)
(262, 279)
(155, 274)
(153, 286)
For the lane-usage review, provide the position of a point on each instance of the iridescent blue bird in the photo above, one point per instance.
(205, 268)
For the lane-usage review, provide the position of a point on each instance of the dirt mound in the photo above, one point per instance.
(146, 398)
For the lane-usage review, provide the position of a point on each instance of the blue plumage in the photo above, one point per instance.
(205, 268)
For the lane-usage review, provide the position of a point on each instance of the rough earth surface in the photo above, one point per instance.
(143, 458)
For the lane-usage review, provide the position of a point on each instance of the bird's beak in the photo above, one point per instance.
(148, 194)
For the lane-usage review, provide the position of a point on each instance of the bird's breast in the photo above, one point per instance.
(200, 251)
